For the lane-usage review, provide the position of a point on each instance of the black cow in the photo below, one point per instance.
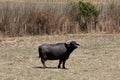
(59, 51)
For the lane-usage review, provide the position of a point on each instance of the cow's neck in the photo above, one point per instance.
(69, 51)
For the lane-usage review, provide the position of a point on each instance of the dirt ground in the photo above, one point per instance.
(98, 58)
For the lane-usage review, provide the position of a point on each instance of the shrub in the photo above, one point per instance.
(86, 12)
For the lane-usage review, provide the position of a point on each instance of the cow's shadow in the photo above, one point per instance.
(40, 67)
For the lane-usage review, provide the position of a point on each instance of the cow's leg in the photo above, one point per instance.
(64, 64)
(59, 65)
(43, 62)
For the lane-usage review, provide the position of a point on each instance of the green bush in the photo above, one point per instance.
(86, 9)
(86, 12)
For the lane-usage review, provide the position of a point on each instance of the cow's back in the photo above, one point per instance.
(58, 48)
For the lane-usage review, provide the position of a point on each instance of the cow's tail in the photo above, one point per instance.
(39, 51)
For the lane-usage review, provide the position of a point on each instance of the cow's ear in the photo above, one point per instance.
(67, 45)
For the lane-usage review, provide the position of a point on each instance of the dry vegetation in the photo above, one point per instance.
(97, 59)
(24, 17)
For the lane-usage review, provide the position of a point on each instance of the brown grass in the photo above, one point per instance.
(96, 59)
(29, 18)
(37, 18)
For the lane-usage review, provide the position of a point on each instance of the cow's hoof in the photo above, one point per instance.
(59, 67)
(44, 67)
(64, 68)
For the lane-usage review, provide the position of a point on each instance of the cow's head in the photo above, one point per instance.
(72, 44)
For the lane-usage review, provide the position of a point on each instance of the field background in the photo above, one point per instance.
(96, 59)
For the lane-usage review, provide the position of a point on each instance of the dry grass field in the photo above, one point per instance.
(98, 58)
